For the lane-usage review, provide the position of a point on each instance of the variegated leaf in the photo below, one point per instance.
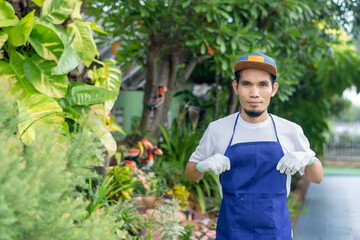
(19, 34)
(48, 40)
(83, 41)
(39, 2)
(83, 94)
(3, 38)
(113, 82)
(7, 14)
(38, 71)
(37, 109)
(15, 72)
(56, 11)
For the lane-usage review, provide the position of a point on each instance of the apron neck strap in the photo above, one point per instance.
(232, 136)
(272, 119)
(234, 130)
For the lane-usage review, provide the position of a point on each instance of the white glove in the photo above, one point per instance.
(292, 162)
(217, 163)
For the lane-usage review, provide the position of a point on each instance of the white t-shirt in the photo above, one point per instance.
(218, 134)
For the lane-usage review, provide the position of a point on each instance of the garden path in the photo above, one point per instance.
(333, 210)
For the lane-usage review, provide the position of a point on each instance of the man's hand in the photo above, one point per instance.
(292, 162)
(217, 163)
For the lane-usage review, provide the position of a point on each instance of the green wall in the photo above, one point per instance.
(131, 103)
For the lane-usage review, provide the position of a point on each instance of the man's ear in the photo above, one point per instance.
(274, 89)
(235, 85)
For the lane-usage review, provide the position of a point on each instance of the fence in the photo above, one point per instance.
(344, 142)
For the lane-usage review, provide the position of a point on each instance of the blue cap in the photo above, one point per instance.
(256, 61)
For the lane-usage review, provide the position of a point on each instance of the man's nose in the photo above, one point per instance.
(254, 91)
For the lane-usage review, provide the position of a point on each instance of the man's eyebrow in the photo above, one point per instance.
(264, 81)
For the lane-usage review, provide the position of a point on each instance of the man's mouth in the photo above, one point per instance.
(254, 104)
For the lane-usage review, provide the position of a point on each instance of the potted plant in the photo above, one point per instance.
(146, 184)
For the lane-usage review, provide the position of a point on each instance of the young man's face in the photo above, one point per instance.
(255, 91)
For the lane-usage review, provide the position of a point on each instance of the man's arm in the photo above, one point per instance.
(314, 172)
(217, 163)
(192, 173)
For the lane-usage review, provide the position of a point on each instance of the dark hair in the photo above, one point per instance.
(238, 75)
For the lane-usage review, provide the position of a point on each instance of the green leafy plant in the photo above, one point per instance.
(146, 183)
(122, 178)
(178, 145)
(127, 213)
(168, 222)
(294, 207)
(103, 194)
(181, 195)
(37, 194)
(39, 52)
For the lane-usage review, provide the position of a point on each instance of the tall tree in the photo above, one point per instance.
(169, 38)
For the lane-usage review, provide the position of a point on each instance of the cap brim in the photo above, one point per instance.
(245, 64)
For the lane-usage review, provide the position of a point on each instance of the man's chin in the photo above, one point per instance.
(253, 113)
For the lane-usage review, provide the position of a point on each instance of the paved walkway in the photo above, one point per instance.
(333, 210)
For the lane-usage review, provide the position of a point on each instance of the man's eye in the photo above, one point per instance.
(245, 84)
(263, 84)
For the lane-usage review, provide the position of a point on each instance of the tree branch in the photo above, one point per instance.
(189, 69)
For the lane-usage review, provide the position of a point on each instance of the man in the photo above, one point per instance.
(254, 153)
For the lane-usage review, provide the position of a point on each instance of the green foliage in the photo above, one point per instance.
(178, 145)
(37, 189)
(294, 207)
(168, 222)
(122, 177)
(318, 91)
(39, 70)
(127, 213)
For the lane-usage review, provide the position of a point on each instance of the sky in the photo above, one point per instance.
(351, 95)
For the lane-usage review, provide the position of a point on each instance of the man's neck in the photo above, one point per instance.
(259, 119)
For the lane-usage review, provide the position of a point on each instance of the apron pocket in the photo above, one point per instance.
(264, 216)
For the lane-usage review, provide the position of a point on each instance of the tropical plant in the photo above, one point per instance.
(104, 193)
(38, 52)
(37, 198)
(122, 178)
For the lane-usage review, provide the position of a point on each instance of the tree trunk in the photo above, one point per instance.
(216, 112)
(232, 103)
(167, 75)
(150, 85)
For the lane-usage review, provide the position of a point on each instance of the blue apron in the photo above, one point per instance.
(254, 203)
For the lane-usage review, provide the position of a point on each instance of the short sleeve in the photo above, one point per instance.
(205, 149)
(301, 144)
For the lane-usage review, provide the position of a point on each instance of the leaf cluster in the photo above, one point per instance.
(39, 51)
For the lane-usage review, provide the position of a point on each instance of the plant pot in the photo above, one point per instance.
(149, 201)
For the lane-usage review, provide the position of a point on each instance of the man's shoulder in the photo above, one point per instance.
(222, 127)
(286, 125)
(224, 122)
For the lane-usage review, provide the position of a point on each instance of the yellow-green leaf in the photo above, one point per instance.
(3, 38)
(7, 15)
(83, 41)
(95, 27)
(76, 14)
(48, 40)
(113, 82)
(19, 34)
(37, 109)
(15, 72)
(39, 2)
(56, 11)
(38, 71)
